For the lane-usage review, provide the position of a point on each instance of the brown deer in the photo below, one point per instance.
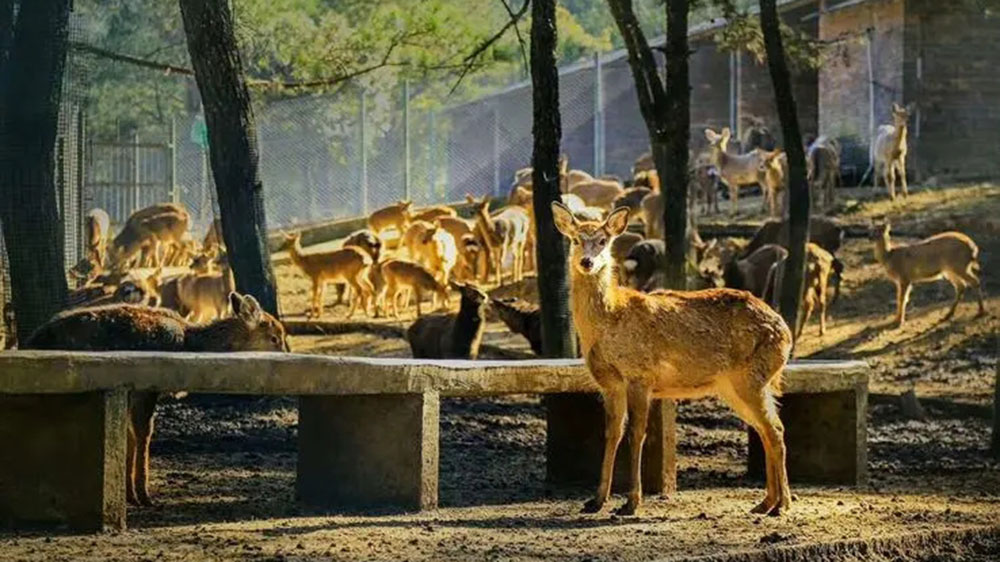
(125, 327)
(155, 228)
(394, 216)
(97, 228)
(403, 278)
(736, 170)
(823, 170)
(889, 152)
(430, 214)
(819, 271)
(672, 344)
(951, 255)
(205, 295)
(451, 336)
(347, 265)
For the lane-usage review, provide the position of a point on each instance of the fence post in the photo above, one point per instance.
(135, 171)
(496, 148)
(598, 116)
(363, 118)
(175, 195)
(406, 139)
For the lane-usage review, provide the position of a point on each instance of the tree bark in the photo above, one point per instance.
(30, 92)
(6, 29)
(666, 112)
(558, 336)
(678, 135)
(232, 140)
(798, 188)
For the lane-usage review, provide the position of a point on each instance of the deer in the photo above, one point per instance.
(430, 214)
(128, 327)
(951, 255)
(672, 344)
(823, 170)
(150, 229)
(889, 152)
(496, 235)
(432, 247)
(394, 216)
(451, 336)
(347, 265)
(467, 244)
(205, 295)
(213, 243)
(819, 271)
(403, 277)
(736, 170)
(597, 193)
(772, 176)
(97, 231)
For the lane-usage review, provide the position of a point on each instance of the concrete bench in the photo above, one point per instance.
(826, 432)
(368, 428)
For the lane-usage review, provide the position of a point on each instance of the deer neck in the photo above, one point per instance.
(899, 141)
(882, 248)
(593, 298)
(221, 335)
(296, 254)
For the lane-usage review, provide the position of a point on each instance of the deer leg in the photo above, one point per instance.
(902, 298)
(638, 416)
(902, 177)
(734, 196)
(615, 403)
(822, 307)
(890, 181)
(804, 317)
(130, 456)
(971, 279)
(143, 411)
(959, 286)
(757, 407)
(419, 296)
(356, 297)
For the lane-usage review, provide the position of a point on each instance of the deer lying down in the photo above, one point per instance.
(125, 327)
(951, 255)
(672, 344)
(451, 336)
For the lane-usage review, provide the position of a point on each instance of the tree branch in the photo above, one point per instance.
(471, 59)
(517, 31)
(642, 63)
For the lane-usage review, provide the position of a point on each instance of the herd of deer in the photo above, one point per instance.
(722, 340)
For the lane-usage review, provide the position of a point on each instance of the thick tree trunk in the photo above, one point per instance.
(30, 91)
(6, 29)
(232, 140)
(798, 188)
(558, 336)
(677, 121)
(666, 112)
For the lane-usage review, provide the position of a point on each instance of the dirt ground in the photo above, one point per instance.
(224, 467)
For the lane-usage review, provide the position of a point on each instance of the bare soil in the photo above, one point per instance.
(224, 467)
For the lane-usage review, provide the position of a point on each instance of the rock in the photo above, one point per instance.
(910, 406)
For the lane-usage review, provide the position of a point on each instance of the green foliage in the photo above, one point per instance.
(379, 44)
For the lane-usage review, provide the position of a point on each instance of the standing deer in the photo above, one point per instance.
(672, 344)
(889, 151)
(347, 265)
(823, 170)
(394, 216)
(126, 327)
(737, 170)
(97, 226)
(951, 255)
(155, 228)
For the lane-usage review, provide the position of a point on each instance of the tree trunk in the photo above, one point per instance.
(677, 121)
(666, 112)
(798, 188)
(558, 336)
(30, 92)
(232, 140)
(6, 29)
(995, 444)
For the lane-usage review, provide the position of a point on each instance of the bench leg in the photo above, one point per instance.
(575, 443)
(826, 435)
(369, 451)
(62, 461)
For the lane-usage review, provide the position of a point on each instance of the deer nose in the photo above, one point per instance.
(586, 263)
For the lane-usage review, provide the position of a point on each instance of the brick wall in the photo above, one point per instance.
(843, 76)
(957, 91)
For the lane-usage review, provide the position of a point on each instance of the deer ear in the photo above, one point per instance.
(564, 220)
(711, 135)
(246, 308)
(617, 221)
(726, 133)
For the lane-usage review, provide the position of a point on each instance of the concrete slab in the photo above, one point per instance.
(62, 461)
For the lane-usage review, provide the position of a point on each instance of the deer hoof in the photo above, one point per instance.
(628, 509)
(593, 505)
(769, 507)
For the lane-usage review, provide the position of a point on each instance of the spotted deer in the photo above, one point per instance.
(672, 344)
(127, 327)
